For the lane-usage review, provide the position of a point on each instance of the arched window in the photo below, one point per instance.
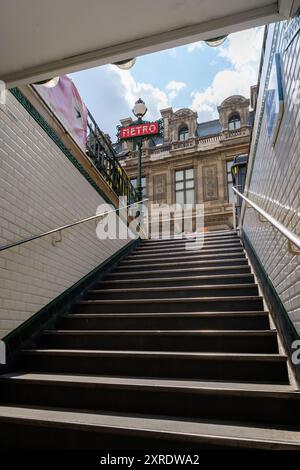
(234, 122)
(183, 133)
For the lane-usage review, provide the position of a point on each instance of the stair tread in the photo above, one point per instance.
(208, 268)
(224, 433)
(164, 332)
(170, 354)
(184, 278)
(142, 251)
(183, 241)
(214, 261)
(164, 315)
(170, 299)
(284, 391)
(157, 289)
(210, 234)
(188, 254)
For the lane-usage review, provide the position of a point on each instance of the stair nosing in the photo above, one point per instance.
(167, 354)
(184, 278)
(166, 315)
(227, 260)
(170, 299)
(155, 332)
(137, 253)
(175, 288)
(157, 384)
(186, 257)
(205, 268)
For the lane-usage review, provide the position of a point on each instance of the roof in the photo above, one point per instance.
(205, 129)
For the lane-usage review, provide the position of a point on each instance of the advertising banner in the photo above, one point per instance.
(65, 102)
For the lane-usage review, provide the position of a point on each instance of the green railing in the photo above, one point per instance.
(101, 151)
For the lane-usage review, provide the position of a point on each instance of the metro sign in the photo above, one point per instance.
(139, 130)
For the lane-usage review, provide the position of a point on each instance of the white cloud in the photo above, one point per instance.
(174, 88)
(155, 98)
(243, 47)
(195, 46)
(242, 50)
(110, 94)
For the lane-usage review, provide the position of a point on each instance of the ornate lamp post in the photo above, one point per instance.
(137, 131)
(139, 110)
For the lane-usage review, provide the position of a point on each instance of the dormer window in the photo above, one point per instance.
(234, 122)
(183, 133)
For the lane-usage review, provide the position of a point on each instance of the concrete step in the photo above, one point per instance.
(185, 264)
(171, 305)
(265, 368)
(174, 272)
(179, 281)
(160, 244)
(186, 256)
(272, 405)
(243, 341)
(56, 429)
(166, 321)
(191, 239)
(140, 251)
(165, 292)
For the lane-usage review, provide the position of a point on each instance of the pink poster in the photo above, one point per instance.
(66, 103)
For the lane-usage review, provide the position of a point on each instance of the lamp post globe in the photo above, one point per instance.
(139, 109)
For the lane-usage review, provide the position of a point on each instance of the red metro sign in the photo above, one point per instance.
(139, 130)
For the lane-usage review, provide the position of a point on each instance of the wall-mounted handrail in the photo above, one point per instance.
(292, 237)
(63, 227)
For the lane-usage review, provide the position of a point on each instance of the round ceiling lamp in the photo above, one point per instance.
(49, 83)
(126, 64)
(215, 42)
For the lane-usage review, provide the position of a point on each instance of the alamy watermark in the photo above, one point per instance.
(152, 221)
(296, 353)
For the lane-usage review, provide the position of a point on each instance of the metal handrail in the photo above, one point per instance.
(292, 238)
(63, 227)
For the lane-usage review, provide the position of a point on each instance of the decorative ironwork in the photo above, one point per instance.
(101, 151)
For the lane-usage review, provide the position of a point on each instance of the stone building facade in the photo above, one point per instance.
(191, 163)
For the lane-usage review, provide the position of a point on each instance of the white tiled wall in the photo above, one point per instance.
(275, 180)
(40, 189)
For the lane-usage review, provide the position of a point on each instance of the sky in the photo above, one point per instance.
(194, 76)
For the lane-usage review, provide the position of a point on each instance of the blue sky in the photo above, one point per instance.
(195, 76)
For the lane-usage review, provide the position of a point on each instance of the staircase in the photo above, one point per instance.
(172, 350)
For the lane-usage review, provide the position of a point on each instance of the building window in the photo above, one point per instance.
(144, 185)
(234, 122)
(183, 133)
(229, 181)
(184, 186)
